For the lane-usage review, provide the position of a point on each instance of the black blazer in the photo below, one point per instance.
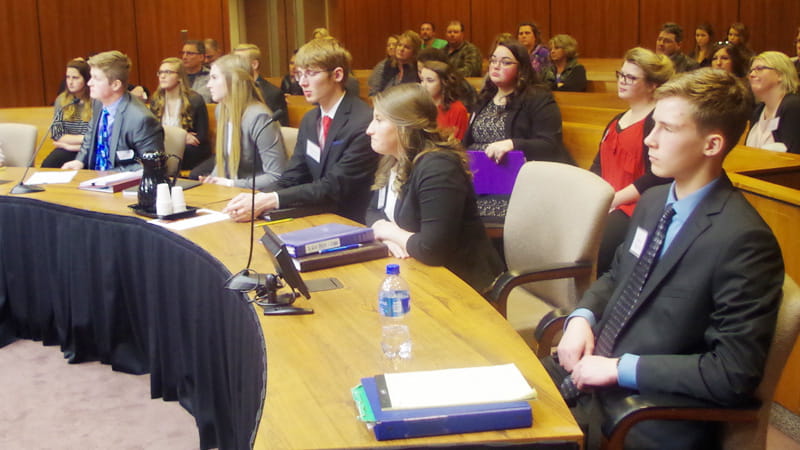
(438, 205)
(274, 98)
(344, 173)
(534, 125)
(788, 130)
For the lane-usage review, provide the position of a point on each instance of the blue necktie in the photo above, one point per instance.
(101, 156)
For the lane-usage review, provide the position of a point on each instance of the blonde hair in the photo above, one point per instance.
(785, 69)
(325, 54)
(114, 64)
(320, 32)
(720, 101)
(158, 100)
(250, 51)
(658, 69)
(242, 92)
(410, 108)
(566, 43)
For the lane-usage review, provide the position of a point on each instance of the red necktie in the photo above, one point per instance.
(326, 125)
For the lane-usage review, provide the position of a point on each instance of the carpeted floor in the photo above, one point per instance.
(46, 403)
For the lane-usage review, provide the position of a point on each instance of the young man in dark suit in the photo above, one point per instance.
(333, 165)
(699, 320)
(122, 127)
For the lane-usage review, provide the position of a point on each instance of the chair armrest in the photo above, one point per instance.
(498, 292)
(622, 410)
(548, 328)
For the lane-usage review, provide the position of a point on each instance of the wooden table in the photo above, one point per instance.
(314, 360)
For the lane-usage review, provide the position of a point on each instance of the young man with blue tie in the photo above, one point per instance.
(690, 303)
(122, 127)
(333, 165)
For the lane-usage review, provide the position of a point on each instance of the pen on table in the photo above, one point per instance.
(344, 247)
(272, 222)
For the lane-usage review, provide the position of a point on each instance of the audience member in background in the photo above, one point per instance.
(796, 59)
(469, 95)
(775, 124)
(332, 165)
(427, 32)
(423, 204)
(515, 110)
(72, 113)
(729, 57)
(176, 105)
(193, 55)
(403, 69)
(376, 77)
(272, 96)
(445, 86)
(739, 35)
(247, 146)
(703, 45)
(213, 52)
(622, 159)
(463, 56)
(528, 34)
(121, 128)
(565, 74)
(320, 33)
(669, 43)
(289, 85)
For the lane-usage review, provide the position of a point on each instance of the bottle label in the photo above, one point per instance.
(394, 304)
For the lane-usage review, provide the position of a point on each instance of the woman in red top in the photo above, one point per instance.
(622, 159)
(445, 85)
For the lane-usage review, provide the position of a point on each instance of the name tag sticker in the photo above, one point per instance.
(312, 150)
(639, 240)
(124, 155)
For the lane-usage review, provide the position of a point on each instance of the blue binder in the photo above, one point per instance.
(409, 423)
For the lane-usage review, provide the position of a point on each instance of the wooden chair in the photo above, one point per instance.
(18, 141)
(552, 231)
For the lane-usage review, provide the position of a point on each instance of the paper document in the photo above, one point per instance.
(107, 180)
(203, 217)
(54, 177)
(449, 387)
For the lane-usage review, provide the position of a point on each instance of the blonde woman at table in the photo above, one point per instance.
(775, 124)
(247, 145)
(423, 203)
(73, 111)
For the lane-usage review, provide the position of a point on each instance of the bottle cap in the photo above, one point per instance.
(392, 269)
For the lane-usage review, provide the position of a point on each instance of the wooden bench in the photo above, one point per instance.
(594, 99)
(582, 141)
(588, 114)
(297, 108)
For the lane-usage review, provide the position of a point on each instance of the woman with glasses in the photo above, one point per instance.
(729, 57)
(174, 104)
(248, 145)
(565, 74)
(515, 110)
(423, 204)
(775, 124)
(72, 113)
(622, 158)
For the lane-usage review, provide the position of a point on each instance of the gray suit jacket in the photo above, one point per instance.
(135, 131)
(261, 148)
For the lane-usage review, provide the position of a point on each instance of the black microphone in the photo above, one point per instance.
(23, 188)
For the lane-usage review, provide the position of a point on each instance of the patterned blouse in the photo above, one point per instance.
(489, 126)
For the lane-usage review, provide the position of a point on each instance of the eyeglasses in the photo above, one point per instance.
(190, 53)
(625, 78)
(309, 74)
(759, 69)
(504, 62)
(165, 72)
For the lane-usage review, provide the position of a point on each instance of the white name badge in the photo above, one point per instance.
(124, 155)
(639, 240)
(312, 150)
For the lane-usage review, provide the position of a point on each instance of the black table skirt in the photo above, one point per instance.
(138, 297)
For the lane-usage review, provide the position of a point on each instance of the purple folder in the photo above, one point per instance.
(492, 178)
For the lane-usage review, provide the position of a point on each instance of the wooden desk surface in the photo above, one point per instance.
(314, 360)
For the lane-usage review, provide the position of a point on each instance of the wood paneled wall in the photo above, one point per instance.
(40, 36)
(603, 28)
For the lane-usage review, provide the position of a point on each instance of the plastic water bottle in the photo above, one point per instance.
(393, 305)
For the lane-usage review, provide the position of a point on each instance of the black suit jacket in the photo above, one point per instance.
(438, 205)
(274, 98)
(788, 130)
(344, 173)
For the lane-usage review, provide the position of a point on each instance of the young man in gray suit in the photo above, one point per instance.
(700, 318)
(122, 128)
(333, 165)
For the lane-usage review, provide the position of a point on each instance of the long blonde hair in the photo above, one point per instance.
(410, 108)
(242, 92)
(158, 100)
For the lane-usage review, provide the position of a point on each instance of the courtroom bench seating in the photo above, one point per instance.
(582, 141)
(297, 108)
